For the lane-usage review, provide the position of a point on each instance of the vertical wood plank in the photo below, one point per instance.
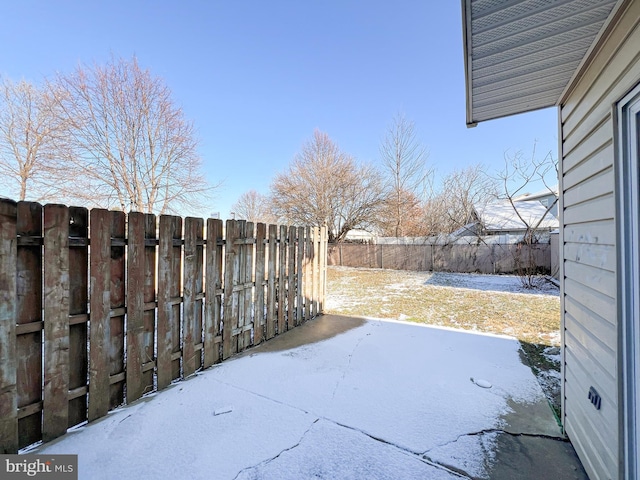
(135, 304)
(212, 296)
(240, 281)
(308, 282)
(258, 315)
(150, 300)
(271, 281)
(323, 269)
(190, 290)
(291, 280)
(315, 266)
(166, 283)
(229, 316)
(56, 321)
(100, 284)
(78, 268)
(249, 279)
(282, 280)
(8, 304)
(300, 277)
(29, 310)
(117, 304)
(199, 303)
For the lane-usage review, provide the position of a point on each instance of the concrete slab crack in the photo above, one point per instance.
(269, 460)
(348, 367)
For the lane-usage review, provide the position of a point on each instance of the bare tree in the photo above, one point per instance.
(404, 163)
(325, 186)
(29, 130)
(450, 208)
(254, 207)
(518, 175)
(131, 146)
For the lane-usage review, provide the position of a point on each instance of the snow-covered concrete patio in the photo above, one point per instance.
(339, 398)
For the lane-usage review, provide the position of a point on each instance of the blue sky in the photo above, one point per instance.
(257, 77)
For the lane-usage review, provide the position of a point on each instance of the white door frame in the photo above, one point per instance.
(628, 226)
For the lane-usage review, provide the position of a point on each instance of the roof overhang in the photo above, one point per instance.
(520, 55)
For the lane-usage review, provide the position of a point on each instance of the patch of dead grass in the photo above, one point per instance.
(404, 295)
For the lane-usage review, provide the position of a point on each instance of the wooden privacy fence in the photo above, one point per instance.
(460, 258)
(98, 307)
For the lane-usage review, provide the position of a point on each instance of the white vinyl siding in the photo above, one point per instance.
(591, 326)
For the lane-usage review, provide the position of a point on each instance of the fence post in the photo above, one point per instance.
(8, 364)
(299, 274)
(315, 267)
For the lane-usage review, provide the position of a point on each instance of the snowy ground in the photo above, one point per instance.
(384, 400)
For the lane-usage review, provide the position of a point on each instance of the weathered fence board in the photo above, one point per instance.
(99, 361)
(80, 287)
(259, 317)
(213, 293)
(291, 279)
(272, 255)
(56, 324)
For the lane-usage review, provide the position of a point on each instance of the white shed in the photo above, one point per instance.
(582, 56)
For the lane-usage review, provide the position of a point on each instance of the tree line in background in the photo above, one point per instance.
(105, 135)
(325, 186)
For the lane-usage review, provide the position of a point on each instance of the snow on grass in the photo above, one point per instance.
(490, 303)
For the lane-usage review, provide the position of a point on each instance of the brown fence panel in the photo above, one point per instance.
(29, 322)
(213, 289)
(258, 314)
(8, 310)
(47, 381)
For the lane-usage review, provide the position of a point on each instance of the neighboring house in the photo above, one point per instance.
(582, 56)
(359, 236)
(548, 198)
(503, 218)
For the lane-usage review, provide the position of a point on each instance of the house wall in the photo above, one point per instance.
(591, 327)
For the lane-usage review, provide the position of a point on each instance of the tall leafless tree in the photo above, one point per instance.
(519, 174)
(325, 186)
(254, 207)
(29, 132)
(131, 146)
(404, 164)
(450, 207)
